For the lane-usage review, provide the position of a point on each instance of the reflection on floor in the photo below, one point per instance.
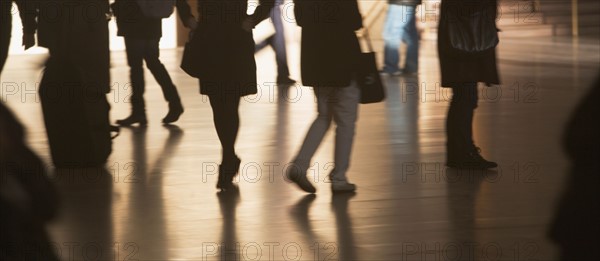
(157, 199)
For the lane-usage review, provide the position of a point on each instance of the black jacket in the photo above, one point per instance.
(329, 47)
(458, 68)
(404, 2)
(131, 22)
(226, 51)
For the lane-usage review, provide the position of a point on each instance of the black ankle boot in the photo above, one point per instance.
(228, 171)
(133, 119)
(175, 110)
(470, 160)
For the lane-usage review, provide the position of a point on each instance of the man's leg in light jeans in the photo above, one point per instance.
(410, 36)
(397, 19)
(318, 129)
(345, 114)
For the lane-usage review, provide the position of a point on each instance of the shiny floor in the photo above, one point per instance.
(158, 200)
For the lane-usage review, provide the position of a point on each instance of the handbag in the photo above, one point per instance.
(190, 61)
(472, 30)
(367, 75)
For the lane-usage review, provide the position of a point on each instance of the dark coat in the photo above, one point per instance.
(226, 51)
(131, 22)
(457, 67)
(80, 39)
(329, 46)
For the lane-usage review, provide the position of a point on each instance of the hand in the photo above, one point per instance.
(248, 25)
(28, 40)
(191, 23)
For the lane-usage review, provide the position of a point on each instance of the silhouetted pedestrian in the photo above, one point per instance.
(400, 26)
(277, 42)
(464, 62)
(142, 34)
(227, 70)
(575, 228)
(28, 200)
(329, 56)
(76, 80)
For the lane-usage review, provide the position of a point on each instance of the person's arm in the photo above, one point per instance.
(185, 14)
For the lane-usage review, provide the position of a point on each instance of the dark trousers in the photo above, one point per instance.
(139, 50)
(459, 123)
(5, 32)
(227, 123)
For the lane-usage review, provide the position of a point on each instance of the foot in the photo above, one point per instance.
(133, 119)
(390, 73)
(299, 177)
(285, 80)
(228, 171)
(175, 110)
(342, 186)
(471, 160)
(410, 73)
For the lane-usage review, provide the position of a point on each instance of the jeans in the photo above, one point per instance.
(277, 42)
(400, 26)
(459, 123)
(139, 50)
(341, 106)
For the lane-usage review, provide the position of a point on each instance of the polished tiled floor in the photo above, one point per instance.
(159, 202)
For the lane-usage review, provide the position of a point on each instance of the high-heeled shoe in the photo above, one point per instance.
(175, 110)
(228, 171)
(133, 119)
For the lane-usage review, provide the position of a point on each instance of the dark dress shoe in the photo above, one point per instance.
(133, 119)
(470, 160)
(228, 171)
(299, 177)
(175, 110)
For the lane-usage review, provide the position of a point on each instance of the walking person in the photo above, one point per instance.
(462, 69)
(227, 70)
(277, 42)
(142, 35)
(400, 26)
(329, 54)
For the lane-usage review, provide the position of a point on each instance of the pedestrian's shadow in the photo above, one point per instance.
(345, 235)
(228, 202)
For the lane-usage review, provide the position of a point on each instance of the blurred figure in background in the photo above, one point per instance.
(27, 13)
(27, 198)
(277, 42)
(330, 53)
(400, 26)
(465, 60)
(76, 80)
(576, 228)
(142, 34)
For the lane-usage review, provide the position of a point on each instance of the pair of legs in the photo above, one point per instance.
(140, 50)
(461, 151)
(400, 26)
(341, 106)
(227, 123)
(277, 42)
